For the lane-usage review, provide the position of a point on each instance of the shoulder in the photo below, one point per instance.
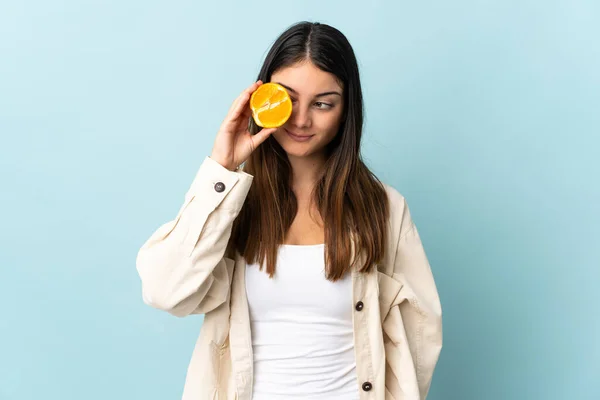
(400, 219)
(395, 198)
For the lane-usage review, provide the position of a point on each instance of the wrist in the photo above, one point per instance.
(220, 161)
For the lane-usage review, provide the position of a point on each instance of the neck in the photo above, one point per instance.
(305, 171)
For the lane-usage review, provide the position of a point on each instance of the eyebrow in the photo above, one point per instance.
(319, 95)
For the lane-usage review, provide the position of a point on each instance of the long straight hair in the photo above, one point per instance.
(352, 202)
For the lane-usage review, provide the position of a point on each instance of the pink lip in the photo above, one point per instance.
(298, 137)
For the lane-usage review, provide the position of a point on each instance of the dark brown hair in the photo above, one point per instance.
(351, 200)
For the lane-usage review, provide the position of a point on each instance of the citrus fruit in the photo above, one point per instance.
(271, 105)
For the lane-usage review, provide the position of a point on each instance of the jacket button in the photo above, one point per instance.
(367, 386)
(359, 306)
(219, 187)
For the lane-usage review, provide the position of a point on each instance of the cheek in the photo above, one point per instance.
(329, 123)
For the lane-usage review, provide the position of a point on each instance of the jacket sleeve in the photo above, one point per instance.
(183, 266)
(419, 303)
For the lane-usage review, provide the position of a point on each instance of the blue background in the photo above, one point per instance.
(484, 114)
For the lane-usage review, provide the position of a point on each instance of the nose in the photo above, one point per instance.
(300, 118)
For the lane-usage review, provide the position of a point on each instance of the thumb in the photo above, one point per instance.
(262, 136)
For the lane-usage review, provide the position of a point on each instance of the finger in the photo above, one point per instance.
(262, 136)
(240, 106)
(246, 112)
(233, 105)
(242, 99)
(249, 90)
(252, 88)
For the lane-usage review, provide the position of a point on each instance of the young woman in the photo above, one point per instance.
(309, 270)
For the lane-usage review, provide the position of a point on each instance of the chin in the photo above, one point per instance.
(296, 149)
(298, 154)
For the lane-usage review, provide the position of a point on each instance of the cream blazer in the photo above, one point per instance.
(184, 270)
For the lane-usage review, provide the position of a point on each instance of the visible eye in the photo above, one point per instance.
(323, 106)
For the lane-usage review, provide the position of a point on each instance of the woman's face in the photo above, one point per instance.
(317, 109)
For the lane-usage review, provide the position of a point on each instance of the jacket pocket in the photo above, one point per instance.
(388, 288)
(221, 361)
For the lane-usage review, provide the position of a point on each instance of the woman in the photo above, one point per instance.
(309, 270)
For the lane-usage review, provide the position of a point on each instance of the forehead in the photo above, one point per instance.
(306, 79)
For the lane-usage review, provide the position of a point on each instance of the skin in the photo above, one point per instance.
(312, 114)
(317, 111)
(318, 106)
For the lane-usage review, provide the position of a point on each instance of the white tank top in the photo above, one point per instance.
(302, 335)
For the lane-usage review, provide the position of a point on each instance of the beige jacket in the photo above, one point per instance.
(184, 270)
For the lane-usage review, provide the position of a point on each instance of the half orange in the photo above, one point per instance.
(271, 105)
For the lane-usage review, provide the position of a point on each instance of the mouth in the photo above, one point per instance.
(298, 138)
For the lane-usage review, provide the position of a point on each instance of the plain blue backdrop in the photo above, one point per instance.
(484, 114)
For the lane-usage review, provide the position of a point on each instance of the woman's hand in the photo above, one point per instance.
(234, 143)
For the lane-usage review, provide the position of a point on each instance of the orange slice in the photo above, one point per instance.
(271, 105)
